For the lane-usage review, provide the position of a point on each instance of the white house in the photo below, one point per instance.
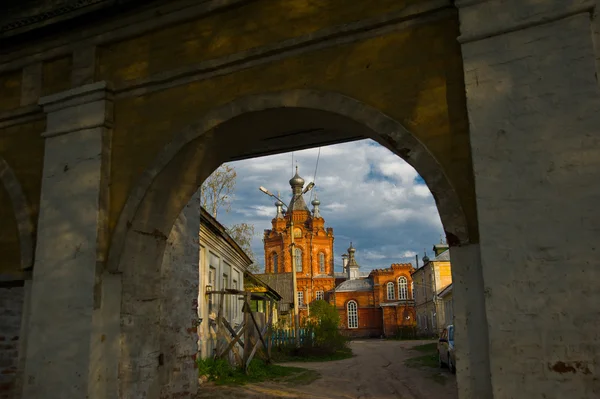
(222, 265)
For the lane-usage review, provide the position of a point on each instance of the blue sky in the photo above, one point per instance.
(368, 195)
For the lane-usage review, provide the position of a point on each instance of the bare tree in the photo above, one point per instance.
(217, 189)
(216, 193)
(242, 233)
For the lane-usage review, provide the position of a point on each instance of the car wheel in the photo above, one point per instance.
(451, 365)
(440, 362)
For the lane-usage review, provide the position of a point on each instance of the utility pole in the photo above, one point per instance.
(294, 284)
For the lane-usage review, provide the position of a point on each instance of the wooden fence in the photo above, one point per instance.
(284, 337)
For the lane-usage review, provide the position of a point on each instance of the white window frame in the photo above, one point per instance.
(352, 314)
(300, 298)
(320, 295)
(402, 288)
(298, 255)
(391, 291)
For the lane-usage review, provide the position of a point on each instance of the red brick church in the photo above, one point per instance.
(373, 304)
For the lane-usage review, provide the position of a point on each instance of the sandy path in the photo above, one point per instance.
(377, 371)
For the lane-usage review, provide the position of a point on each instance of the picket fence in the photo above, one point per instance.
(285, 337)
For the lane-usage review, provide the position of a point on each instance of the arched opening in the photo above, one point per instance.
(248, 127)
(402, 288)
(352, 313)
(390, 291)
(298, 259)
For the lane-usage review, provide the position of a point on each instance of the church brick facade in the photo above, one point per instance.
(313, 247)
(369, 306)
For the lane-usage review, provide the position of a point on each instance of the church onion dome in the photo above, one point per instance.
(351, 249)
(297, 181)
(316, 202)
(279, 203)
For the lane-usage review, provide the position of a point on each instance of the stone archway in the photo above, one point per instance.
(140, 237)
(22, 211)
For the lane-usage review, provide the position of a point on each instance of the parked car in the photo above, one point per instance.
(446, 354)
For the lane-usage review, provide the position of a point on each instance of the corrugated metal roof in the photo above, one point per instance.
(280, 282)
(444, 256)
(361, 284)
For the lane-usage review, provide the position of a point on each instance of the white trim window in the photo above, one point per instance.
(300, 298)
(320, 295)
(390, 291)
(402, 288)
(298, 253)
(352, 310)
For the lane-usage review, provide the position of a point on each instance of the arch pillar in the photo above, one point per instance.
(533, 102)
(71, 238)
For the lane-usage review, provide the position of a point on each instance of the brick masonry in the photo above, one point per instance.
(11, 305)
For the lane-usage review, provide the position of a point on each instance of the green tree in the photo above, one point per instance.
(324, 321)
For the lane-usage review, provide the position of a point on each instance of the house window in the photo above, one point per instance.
(226, 298)
(212, 273)
(298, 253)
(236, 308)
(433, 321)
(352, 314)
(390, 290)
(412, 290)
(275, 261)
(322, 262)
(319, 295)
(300, 298)
(402, 288)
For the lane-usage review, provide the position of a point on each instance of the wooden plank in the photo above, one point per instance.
(219, 323)
(260, 336)
(231, 346)
(231, 330)
(233, 341)
(246, 307)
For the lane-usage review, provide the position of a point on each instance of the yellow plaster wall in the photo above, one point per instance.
(444, 273)
(56, 75)
(10, 90)
(23, 149)
(227, 32)
(410, 75)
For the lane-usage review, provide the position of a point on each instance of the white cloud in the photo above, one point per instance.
(368, 195)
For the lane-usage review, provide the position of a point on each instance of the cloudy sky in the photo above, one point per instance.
(368, 195)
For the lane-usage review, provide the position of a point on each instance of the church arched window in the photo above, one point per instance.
(402, 288)
(298, 253)
(322, 262)
(352, 310)
(275, 263)
(390, 290)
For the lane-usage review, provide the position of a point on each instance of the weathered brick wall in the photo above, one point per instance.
(11, 305)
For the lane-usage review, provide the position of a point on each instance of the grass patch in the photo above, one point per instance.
(426, 348)
(310, 355)
(221, 373)
(429, 357)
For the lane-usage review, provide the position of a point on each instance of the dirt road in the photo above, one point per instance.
(376, 371)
